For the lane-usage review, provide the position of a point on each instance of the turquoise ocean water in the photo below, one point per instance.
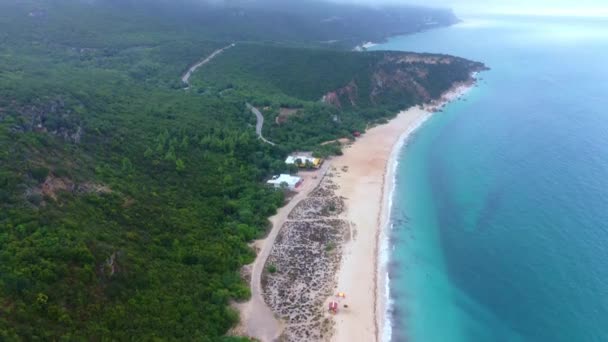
(500, 214)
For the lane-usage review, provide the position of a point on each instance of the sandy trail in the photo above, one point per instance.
(257, 319)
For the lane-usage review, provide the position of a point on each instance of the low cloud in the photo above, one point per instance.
(534, 7)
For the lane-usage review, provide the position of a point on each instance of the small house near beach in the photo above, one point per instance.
(304, 161)
(288, 181)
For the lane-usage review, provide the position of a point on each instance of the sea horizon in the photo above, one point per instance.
(456, 221)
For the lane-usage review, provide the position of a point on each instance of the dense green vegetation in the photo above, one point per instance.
(274, 77)
(126, 202)
(183, 197)
(295, 22)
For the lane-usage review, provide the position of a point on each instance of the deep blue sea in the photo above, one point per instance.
(500, 214)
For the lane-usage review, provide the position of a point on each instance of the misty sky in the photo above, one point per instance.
(542, 7)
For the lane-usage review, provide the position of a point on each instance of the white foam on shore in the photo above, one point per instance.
(385, 305)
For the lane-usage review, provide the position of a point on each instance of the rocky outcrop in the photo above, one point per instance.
(404, 78)
(110, 267)
(348, 93)
(53, 186)
(52, 117)
(400, 80)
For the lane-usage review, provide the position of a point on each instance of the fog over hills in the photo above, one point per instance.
(587, 8)
(311, 22)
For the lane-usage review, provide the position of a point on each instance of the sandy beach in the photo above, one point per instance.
(366, 188)
(327, 239)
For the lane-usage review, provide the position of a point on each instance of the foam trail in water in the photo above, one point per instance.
(384, 257)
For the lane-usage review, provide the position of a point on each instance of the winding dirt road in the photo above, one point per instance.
(259, 117)
(186, 76)
(257, 319)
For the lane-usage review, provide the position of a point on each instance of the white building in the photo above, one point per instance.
(314, 162)
(290, 182)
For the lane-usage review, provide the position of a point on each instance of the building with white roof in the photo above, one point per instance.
(301, 161)
(289, 181)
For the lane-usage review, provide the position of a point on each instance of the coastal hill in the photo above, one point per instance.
(330, 93)
(127, 202)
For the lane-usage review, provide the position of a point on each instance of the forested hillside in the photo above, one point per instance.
(329, 93)
(309, 22)
(127, 202)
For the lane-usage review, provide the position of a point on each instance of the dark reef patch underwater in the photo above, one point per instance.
(507, 192)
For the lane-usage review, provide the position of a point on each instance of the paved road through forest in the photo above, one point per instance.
(259, 124)
(188, 74)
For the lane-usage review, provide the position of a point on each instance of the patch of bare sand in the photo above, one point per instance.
(342, 141)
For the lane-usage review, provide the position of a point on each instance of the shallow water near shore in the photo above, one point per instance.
(500, 211)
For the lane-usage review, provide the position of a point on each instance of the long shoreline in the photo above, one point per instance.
(383, 304)
(383, 246)
(364, 179)
(368, 190)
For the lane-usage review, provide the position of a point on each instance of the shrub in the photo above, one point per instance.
(39, 173)
(35, 199)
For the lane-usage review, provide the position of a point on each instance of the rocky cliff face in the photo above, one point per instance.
(416, 78)
(350, 93)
